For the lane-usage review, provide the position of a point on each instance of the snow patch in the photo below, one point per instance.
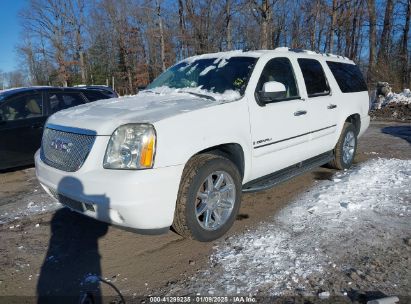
(393, 98)
(314, 232)
(226, 96)
(207, 69)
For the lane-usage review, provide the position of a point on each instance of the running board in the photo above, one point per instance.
(273, 179)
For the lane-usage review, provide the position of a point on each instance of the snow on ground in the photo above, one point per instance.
(31, 204)
(360, 209)
(393, 98)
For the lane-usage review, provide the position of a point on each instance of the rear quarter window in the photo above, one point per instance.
(348, 77)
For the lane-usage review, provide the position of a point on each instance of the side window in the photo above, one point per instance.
(61, 101)
(314, 77)
(93, 96)
(280, 70)
(348, 77)
(22, 107)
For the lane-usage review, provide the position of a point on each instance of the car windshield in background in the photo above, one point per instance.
(214, 75)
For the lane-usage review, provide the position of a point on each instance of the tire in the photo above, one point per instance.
(344, 151)
(206, 209)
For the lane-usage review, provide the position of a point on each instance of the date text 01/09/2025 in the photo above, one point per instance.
(203, 299)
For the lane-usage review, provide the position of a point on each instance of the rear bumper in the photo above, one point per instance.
(365, 123)
(139, 200)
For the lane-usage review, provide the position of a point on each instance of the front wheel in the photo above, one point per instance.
(346, 148)
(209, 198)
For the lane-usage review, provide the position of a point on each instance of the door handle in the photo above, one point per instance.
(331, 106)
(299, 113)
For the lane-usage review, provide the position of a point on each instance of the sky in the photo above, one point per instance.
(9, 33)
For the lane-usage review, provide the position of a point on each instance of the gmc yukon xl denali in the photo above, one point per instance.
(181, 152)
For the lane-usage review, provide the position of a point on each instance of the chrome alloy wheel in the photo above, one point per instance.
(348, 147)
(215, 200)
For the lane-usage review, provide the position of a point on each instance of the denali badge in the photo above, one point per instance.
(60, 144)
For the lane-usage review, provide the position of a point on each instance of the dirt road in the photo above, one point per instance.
(58, 250)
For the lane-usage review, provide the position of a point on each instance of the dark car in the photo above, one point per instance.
(24, 111)
(99, 88)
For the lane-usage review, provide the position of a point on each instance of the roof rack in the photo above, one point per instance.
(297, 50)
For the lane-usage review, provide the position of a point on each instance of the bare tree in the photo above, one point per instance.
(372, 19)
(405, 64)
(161, 30)
(386, 34)
(228, 22)
(263, 13)
(330, 46)
(75, 14)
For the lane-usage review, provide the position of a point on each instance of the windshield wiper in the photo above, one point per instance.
(149, 91)
(198, 94)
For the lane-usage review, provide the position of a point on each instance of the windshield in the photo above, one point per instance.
(219, 76)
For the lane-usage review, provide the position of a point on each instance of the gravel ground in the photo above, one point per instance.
(354, 249)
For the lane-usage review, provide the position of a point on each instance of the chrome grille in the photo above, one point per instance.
(64, 150)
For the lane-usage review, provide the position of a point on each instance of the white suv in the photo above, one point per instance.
(181, 152)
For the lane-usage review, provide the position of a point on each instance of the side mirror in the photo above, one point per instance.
(273, 90)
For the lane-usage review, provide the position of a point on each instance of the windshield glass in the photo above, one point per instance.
(222, 77)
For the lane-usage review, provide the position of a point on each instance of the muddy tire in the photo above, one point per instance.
(208, 199)
(344, 151)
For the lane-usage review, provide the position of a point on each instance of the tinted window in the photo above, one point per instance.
(348, 76)
(280, 70)
(22, 107)
(314, 77)
(61, 101)
(93, 96)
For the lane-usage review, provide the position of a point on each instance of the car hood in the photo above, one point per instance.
(105, 116)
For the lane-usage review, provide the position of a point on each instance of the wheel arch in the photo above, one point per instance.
(355, 120)
(231, 151)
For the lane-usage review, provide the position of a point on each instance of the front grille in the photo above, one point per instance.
(66, 151)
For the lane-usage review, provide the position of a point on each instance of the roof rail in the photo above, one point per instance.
(298, 50)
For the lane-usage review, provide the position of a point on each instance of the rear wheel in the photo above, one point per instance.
(346, 148)
(209, 198)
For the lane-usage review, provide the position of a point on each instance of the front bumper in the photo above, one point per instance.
(136, 199)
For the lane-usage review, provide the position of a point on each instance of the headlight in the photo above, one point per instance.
(131, 146)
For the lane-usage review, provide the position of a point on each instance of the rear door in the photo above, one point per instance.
(321, 104)
(21, 129)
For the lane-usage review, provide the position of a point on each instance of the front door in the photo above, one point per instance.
(279, 128)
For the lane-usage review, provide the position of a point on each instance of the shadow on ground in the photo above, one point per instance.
(72, 267)
(403, 132)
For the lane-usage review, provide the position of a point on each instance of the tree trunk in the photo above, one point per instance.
(228, 25)
(386, 34)
(405, 77)
(82, 68)
(265, 24)
(372, 39)
(162, 43)
(183, 39)
(332, 27)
